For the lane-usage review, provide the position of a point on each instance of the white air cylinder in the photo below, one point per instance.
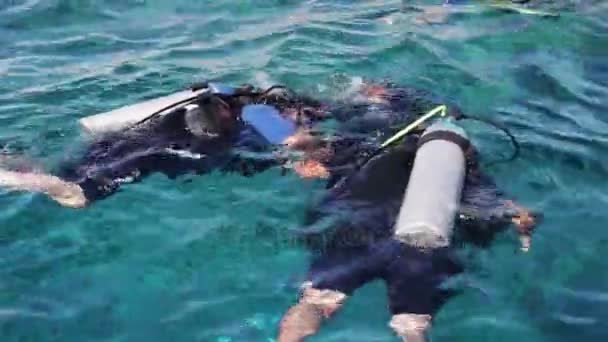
(432, 198)
(127, 116)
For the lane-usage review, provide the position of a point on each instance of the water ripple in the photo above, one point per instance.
(208, 259)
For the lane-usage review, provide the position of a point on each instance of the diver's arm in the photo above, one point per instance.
(404, 98)
(65, 193)
(485, 209)
(387, 107)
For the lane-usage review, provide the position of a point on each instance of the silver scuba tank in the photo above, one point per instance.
(432, 199)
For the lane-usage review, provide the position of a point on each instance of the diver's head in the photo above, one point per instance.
(211, 117)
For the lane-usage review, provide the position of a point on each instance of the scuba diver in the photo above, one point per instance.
(243, 129)
(365, 183)
(211, 131)
(350, 233)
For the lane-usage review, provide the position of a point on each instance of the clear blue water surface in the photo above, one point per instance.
(205, 258)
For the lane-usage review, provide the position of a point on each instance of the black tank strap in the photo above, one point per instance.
(457, 139)
(465, 145)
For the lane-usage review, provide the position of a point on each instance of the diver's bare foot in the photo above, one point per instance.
(411, 327)
(310, 169)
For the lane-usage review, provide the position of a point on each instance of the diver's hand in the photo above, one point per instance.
(525, 222)
(303, 140)
(310, 168)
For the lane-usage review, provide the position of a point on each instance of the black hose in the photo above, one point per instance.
(461, 116)
(173, 105)
(500, 127)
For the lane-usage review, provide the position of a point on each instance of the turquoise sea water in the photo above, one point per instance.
(205, 258)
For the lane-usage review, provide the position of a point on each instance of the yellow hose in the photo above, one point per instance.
(441, 110)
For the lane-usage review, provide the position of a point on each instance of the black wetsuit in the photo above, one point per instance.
(350, 231)
(161, 145)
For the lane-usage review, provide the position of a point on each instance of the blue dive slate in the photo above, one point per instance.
(268, 122)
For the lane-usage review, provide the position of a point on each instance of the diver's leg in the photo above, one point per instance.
(333, 277)
(414, 280)
(65, 193)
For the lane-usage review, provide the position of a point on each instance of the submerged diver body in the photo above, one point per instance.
(176, 143)
(350, 233)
